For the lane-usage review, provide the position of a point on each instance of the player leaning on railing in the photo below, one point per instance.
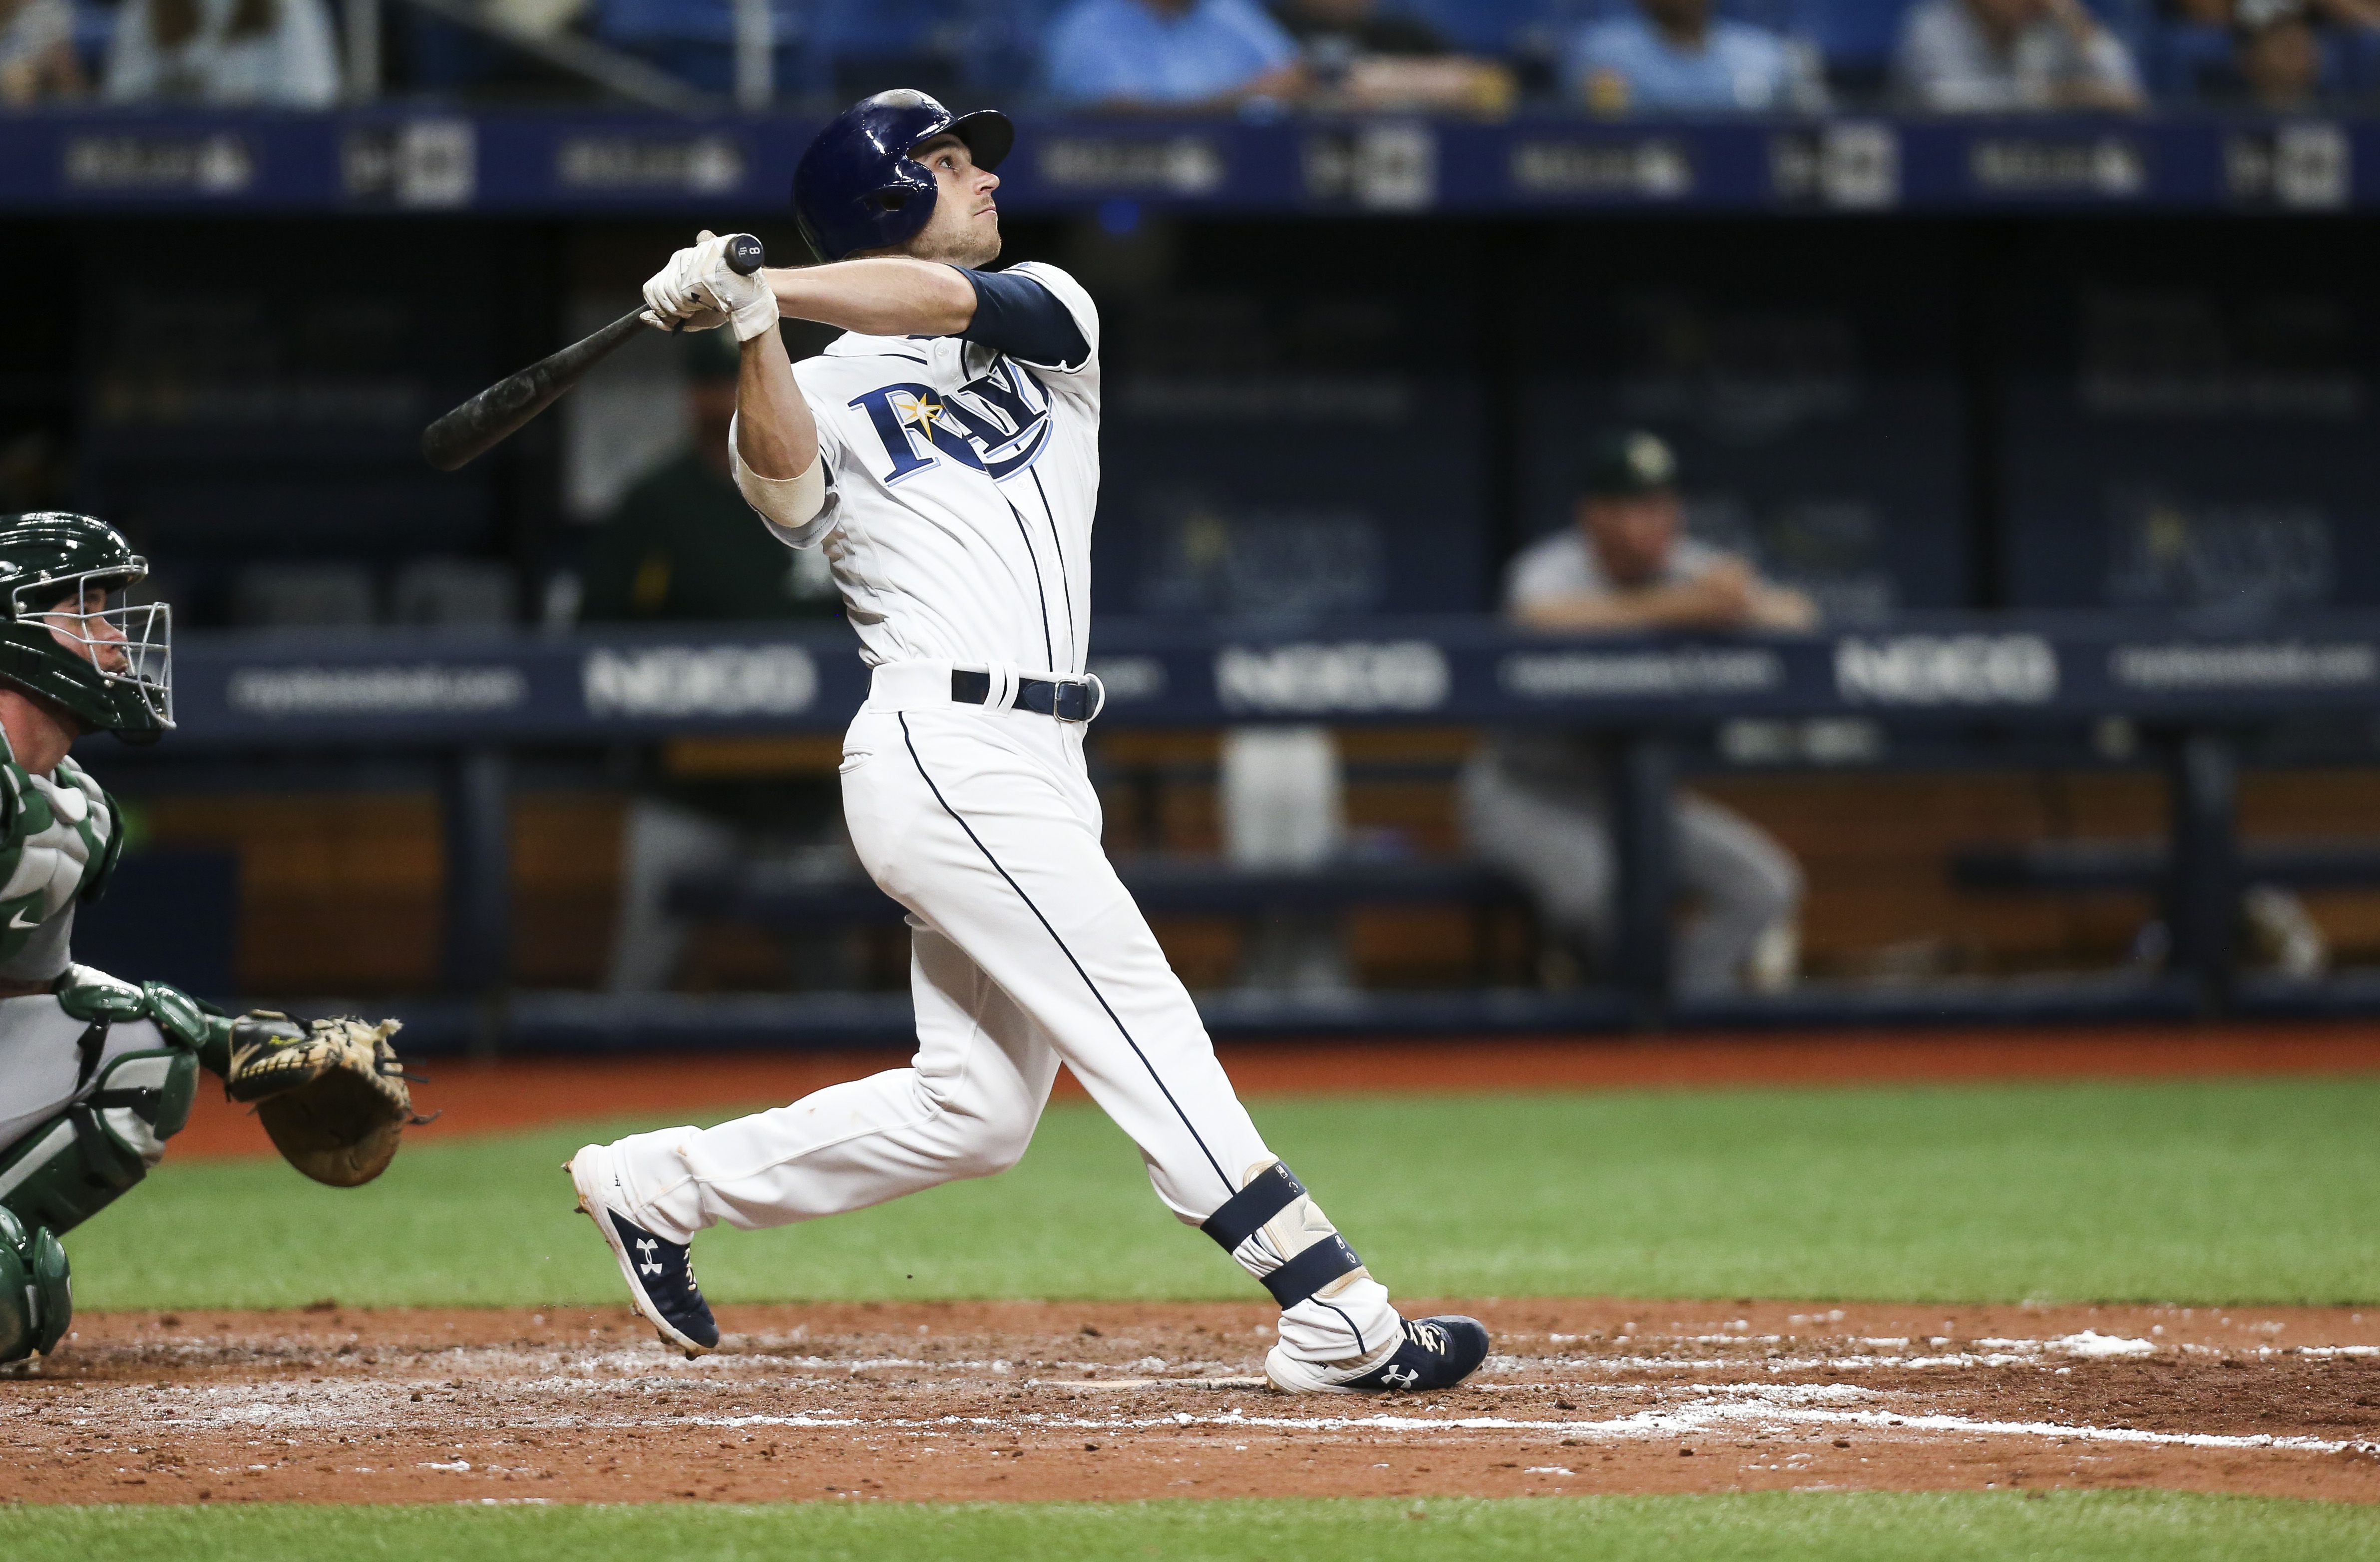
(97, 1074)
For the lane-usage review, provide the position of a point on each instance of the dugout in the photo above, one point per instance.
(2053, 415)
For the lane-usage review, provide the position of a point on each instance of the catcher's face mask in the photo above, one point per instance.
(129, 646)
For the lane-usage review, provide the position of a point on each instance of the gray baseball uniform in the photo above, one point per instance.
(1533, 803)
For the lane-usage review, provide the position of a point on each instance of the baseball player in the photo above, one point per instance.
(1533, 800)
(944, 453)
(97, 1074)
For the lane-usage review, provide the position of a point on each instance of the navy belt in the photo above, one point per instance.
(1068, 699)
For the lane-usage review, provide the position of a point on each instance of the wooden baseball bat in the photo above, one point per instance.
(492, 416)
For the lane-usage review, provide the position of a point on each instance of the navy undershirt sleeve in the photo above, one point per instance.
(1018, 316)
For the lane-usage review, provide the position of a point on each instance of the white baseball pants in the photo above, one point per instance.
(39, 1064)
(1026, 951)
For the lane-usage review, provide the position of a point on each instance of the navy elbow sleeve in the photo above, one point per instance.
(1017, 316)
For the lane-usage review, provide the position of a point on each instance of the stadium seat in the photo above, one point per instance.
(2183, 63)
(695, 40)
(862, 46)
(94, 26)
(1495, 27)
(1855, 37)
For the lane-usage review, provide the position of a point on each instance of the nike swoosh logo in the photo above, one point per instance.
(16, 923)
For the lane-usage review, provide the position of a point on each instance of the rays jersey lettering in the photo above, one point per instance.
(996, 423)
(963, 485)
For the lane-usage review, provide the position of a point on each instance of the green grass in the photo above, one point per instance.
(2200, 1192)
(2071, 1526)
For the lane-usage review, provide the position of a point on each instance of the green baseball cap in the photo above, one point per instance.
(1628, 462)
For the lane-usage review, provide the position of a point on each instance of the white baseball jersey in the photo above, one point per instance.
(962, 484)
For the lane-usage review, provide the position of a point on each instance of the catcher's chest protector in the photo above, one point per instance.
(56, 832)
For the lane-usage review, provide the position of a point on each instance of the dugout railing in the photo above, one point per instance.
(1946, 690)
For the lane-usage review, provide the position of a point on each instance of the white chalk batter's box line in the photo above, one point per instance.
(1763, 1407)
(1647, 1426)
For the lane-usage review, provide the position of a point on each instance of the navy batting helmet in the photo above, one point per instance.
(857, 188)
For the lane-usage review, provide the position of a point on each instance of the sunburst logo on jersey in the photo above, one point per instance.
(922, 412)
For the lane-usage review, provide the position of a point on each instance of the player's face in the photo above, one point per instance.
(76, 622)
(965, 228)
(1632, 536)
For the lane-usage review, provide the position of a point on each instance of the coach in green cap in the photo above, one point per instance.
(684, 548)
(1533, 799)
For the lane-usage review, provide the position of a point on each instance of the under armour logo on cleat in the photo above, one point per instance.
(1411, 1376)
(646, 1245)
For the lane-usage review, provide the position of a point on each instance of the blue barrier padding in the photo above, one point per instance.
(430, 690)
(426, 160)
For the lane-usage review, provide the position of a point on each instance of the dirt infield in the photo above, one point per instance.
(1030, 1399)
(485, 1097)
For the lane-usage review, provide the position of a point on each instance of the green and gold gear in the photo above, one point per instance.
(110, 666)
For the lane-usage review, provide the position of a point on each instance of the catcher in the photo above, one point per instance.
(97, 1074)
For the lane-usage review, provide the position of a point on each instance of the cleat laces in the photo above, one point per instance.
(1429, 1337)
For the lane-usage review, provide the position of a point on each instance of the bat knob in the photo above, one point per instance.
(745, 255)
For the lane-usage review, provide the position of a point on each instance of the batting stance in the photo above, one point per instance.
(97, 1074)
(945, 455)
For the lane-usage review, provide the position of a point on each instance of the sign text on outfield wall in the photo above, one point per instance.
(673, 681)
(1946, 670)
(1354, 675)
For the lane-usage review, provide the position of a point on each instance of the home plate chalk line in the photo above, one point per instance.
(1644, 1427)
(1716, 1408)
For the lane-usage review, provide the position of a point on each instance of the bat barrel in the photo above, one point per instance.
(492, 416)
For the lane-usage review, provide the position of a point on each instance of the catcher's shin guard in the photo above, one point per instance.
(36, 1296)
(69, 1169)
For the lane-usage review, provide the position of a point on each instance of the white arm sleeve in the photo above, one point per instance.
(799, 510)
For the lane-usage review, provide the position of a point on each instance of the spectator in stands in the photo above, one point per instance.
(1360, 57)
(1671, 56)
(1533, 800)
(1171, 53)
(684, 547)
(272, 54)
(2278, 53)
(37, 57)
(1995, 57)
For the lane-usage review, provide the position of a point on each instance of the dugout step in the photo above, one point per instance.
(584, 1023)
(2146, 865)
(779, 895)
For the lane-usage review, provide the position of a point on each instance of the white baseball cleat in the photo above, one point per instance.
(1433, 1353)
(659, 1272)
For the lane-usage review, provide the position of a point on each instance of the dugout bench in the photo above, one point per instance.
(2004, 688)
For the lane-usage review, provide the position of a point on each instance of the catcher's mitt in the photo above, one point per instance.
(330, 1092)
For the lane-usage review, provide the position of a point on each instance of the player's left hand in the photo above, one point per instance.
(331, 1093)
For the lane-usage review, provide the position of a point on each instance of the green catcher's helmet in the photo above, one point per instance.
(109, 664)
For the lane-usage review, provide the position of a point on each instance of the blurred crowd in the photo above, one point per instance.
(1604, 58)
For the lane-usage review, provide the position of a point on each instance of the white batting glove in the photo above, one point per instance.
(697, 291)
(671, 303)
